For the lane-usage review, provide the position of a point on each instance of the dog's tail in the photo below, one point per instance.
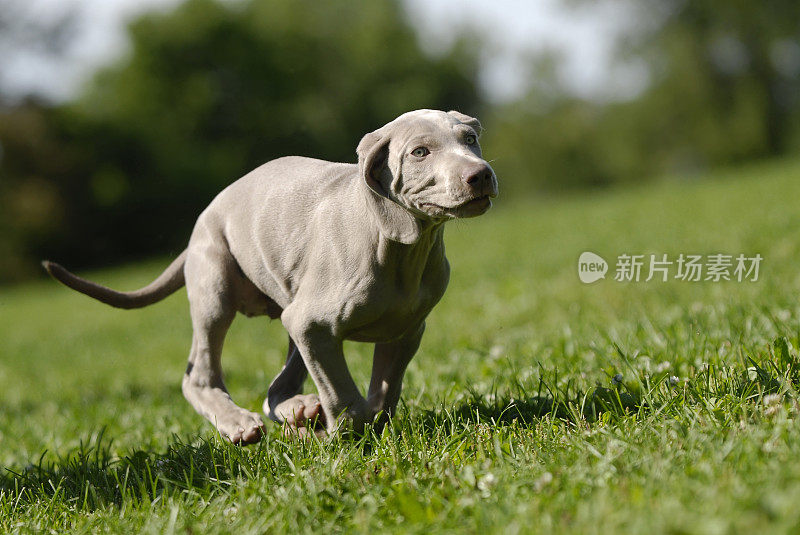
(170, 281)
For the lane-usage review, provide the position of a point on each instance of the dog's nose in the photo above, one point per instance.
(479, 178)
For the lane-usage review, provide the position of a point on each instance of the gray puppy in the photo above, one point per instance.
(336, 251)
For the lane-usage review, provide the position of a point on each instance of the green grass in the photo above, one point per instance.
(511, 420)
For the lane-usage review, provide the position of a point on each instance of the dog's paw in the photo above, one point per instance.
(247, 428)
(298, 410)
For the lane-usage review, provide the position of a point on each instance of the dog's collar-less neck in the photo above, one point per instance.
(391, 220)
(410, 261)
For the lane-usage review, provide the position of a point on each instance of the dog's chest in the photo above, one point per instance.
(395, 302)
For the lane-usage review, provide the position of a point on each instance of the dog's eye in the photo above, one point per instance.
(470, 139)
(420, 152)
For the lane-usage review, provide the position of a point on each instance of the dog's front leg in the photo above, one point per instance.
(322, 353)
(389, 363)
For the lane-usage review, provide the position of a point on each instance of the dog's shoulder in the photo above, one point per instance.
(288, 174)
(295, 168)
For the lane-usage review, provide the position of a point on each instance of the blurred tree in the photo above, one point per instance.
(30, 158)
(214, 89)
(724, 87)
(739, 59)
(31, 161)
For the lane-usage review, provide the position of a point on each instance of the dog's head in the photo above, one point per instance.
(425, 166)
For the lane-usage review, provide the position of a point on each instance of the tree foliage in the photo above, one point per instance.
(724, 87)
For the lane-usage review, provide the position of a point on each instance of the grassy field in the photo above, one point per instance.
(536, 404)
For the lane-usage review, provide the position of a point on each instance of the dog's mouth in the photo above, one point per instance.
(471, 208)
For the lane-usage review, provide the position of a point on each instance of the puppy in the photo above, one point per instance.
(338, 252)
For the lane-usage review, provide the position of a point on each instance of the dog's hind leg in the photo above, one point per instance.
(285, 402)
(213, 307)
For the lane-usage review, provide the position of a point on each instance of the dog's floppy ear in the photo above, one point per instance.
(467, 120)
(395, 221)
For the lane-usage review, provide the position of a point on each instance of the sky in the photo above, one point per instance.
(511, 29)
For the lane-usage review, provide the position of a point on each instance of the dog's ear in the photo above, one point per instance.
(394, 220)
(467, 120)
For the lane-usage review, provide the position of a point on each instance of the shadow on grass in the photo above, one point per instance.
(92, 476)
(527, 410)
(775, 371)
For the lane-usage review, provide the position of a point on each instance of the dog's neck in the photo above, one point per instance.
(408, 262)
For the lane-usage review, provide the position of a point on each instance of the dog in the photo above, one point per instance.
(338, 252)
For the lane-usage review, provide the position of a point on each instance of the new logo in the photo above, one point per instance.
(591, 267)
